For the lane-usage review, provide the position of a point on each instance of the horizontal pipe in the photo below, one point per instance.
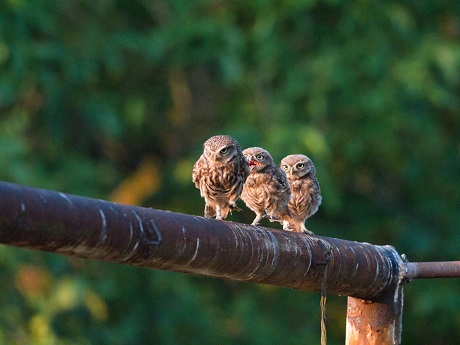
(425, 270)
(96, 229)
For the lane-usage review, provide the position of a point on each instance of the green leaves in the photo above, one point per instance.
(95, 97)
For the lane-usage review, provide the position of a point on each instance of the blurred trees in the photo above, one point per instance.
(113, 99)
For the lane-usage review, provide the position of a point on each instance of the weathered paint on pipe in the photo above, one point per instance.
(375, 322)
(97, 229)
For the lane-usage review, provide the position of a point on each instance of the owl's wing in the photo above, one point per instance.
(281, 178)
(197, 171)
(316, 184)
(245, 171)
(309, 197)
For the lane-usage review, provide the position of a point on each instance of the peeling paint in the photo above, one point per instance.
(66, 198)
(196, 251)
(141, 227)
(184, 242)
(154, 238)
(103, 232)
(23, 206)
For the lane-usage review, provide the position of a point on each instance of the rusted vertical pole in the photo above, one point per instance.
(377, 321)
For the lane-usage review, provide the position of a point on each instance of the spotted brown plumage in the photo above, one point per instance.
(266, 191)
(219, 174)
(305, 190)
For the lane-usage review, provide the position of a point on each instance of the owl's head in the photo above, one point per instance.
(297, 166)
(257, 158)
(220, 149)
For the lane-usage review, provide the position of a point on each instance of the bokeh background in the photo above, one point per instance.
(113, 99)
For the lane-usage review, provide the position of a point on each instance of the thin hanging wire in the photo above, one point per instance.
(327, 252)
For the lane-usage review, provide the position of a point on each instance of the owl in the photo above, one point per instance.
(305, 190)
(219, 174)
(266, 191)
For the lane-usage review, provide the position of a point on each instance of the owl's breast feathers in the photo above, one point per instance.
(266, 189)
(220, 181)
(305, 197)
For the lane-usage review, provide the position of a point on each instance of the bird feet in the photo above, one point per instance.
(306, 231)
(273, 219)
(233, 207)
(287, 226)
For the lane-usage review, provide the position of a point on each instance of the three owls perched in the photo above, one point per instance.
(288, 195)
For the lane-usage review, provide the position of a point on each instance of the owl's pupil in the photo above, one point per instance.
(224, 151)
(260, 157)
(299, 166)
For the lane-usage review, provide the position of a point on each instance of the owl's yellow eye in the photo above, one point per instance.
(285, 167)
(224, 150)
(260, 157)
(300, 166)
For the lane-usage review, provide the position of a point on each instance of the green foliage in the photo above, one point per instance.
(90, 91)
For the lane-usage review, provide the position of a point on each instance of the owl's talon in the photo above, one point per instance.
(308, 232)
(273, 219)
(287, 226)
(233, 207)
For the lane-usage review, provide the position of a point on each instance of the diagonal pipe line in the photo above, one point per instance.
(96, 229)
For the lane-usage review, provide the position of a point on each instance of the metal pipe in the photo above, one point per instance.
(425, 270)
(96, 229)
(375, 322)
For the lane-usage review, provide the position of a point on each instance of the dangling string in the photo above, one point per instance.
(323, 309)
(327, 252)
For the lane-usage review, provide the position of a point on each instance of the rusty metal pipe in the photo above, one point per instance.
(96, 229)
(377, 321)
(425, 270)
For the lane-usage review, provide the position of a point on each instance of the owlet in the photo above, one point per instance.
(305, 190)
(266, 191)
(219, 174)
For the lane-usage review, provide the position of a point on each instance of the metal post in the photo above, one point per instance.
(377, 321)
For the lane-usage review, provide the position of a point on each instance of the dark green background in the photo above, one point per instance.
(113, 99)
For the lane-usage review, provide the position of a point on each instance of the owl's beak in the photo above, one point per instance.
(252, 162)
